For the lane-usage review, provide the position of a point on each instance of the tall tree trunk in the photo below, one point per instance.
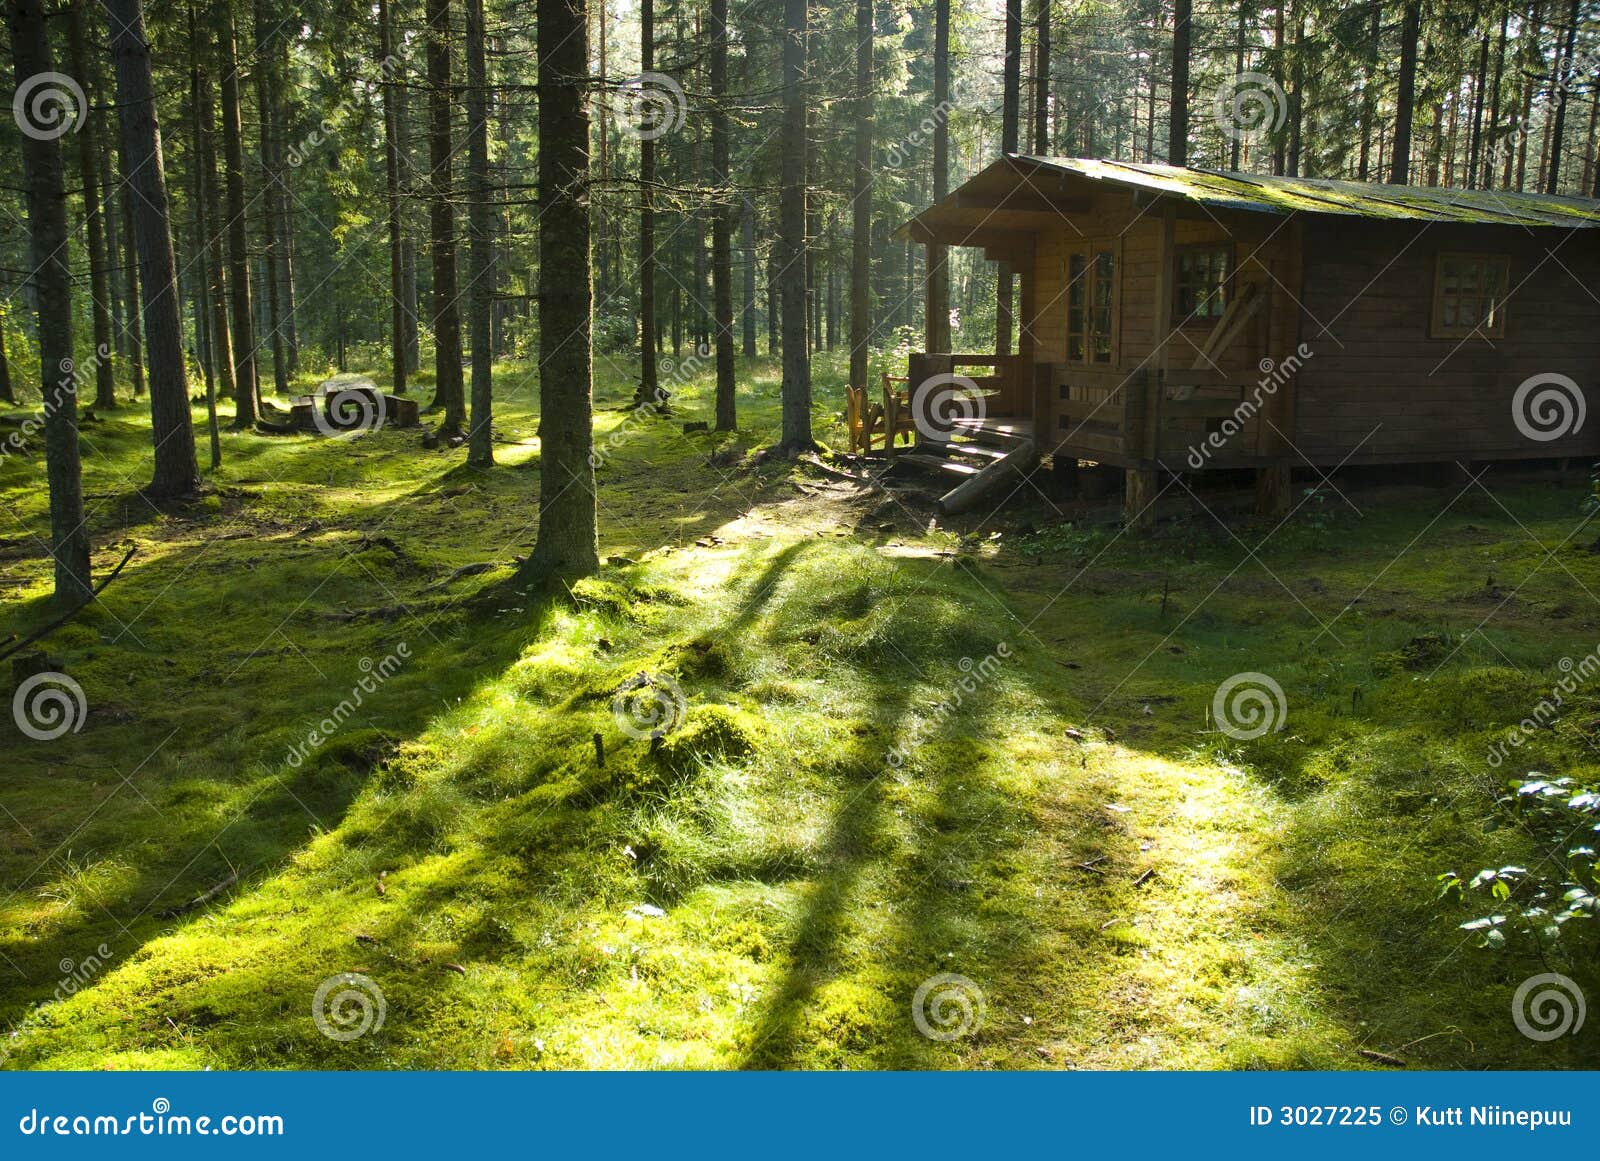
(649, 393)
(1493, 134)
(1405, 98)
(272, 199)
(861, 202)
(176, 473)
(238, 236)
(215, 256)
(1280, 77)
(1236, 144)
(567, 541)
(722, 220)
(105, 384)
(1041, 79)
(1010, 113)
(1480, 82)
(747, 243)
(792, 246)
(1178, 121)
(47, 224)
(448, 386)
(7, 393)
(1566, 69)
(201, 179)
(130, 276)
(391, 170)
(408, 262)
(480, 254)
(936, 327)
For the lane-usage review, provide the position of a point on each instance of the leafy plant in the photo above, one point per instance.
(1540, 905)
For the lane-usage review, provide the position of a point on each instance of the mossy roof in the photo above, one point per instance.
(1325, 196)
(1224, 189)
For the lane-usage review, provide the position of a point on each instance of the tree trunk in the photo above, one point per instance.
(7, 394)
(722, 220)
(480, 255)
(1010, 112)
(649, 392)
(792, 245)
(1236, 144)
(936, 326)
(391, 169)
(748, 245)
(202, 179)
(47, 223)
(272, 183)
(861, 202)
(567, 541)
(1400, 158)
(105, 384)
(1492, 134)
(1041, 79)
(176, 473)
(448, 387)
(244, 341)
(1566, 72)
(1178, 122)
(215, 256)
(130, 280)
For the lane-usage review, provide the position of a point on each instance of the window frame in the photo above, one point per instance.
(1224, 288)
(1090, 251)
(1438, 328)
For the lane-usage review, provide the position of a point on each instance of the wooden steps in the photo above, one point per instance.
(996, 452)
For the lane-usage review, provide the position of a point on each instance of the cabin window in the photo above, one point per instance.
(1202, 282)
(1091, 301)
(1469, 295)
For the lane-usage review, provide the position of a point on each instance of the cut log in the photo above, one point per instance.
(962, 497)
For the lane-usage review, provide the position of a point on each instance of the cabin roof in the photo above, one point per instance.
(1026, 185)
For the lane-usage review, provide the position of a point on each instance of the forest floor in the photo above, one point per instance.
(1118, 884)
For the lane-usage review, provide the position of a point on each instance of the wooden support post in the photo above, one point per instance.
(1140, 491)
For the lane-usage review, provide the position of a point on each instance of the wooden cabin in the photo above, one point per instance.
(1175, 320)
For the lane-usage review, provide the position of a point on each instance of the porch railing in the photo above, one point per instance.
(1174, 418)
(1001, 378)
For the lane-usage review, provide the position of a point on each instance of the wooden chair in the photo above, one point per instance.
(898, 419)
(863, 417)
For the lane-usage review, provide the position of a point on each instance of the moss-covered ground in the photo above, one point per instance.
(906, 748)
